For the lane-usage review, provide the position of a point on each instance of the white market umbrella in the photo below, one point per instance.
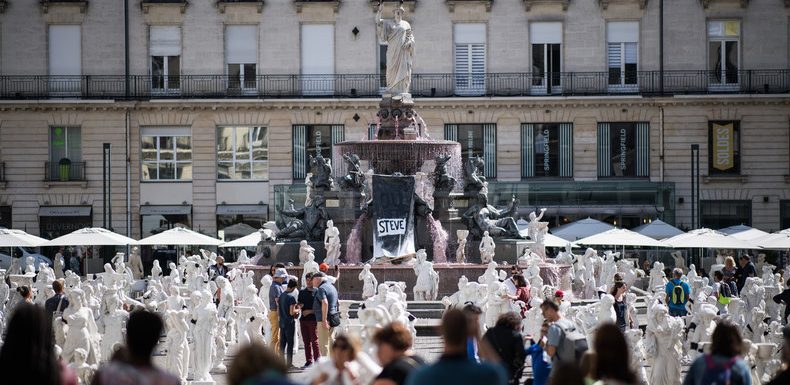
(92, 236)
(250, 240)
(620, 237)
(14, 238)
(775, 241)
(179, 236)
(657, 229)
(707, 238)
(549, 240)
(238, 230)
(581, 229)
(743, 232)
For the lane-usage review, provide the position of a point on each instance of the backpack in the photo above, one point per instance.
(720, 374)
(572, 346)
(725, 293)
(678, 295)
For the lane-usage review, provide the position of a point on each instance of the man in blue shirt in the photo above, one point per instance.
(677, 294)
(455, 367)
(289, 310)
(277, 288)
(325, 306)
(541, 362)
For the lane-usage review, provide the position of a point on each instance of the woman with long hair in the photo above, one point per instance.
(522, 292)
(729, 270)
(347, 365)
(624, 320)
(28, 354)
(723, 364)
(612, 357)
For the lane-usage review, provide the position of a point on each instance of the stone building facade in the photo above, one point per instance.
(224, 100)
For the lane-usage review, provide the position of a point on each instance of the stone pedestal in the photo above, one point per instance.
(288, 252)
(507, 250)
(396, 113)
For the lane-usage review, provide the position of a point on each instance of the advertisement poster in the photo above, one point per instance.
(393, 215)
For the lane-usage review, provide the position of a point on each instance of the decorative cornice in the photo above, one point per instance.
(605, 3)
(529, 3)
(743, 3)
(145, 5)
(45, 4)
(301, 3)
(451, 4)
(410, 5)
(221, 4)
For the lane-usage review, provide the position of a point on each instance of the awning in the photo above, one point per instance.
(166, 210)
(242, 209)
(64, 211)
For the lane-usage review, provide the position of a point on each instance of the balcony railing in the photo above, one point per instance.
(57, 172)
(646, 83)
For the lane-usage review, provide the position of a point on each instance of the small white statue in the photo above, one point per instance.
(205, 316)
(256, 327)
(304, 250)
(638, 355)
(136, 263)
(427, 286)
(606, 313)
(30, 268)
(59, 265)
(537, 231)
(82, 332)
(310, 266)
(491, 274)
(243, 259)
(460, 252)
(459, 298)
(332, 244)
(608, 269)
(496, 303)
(487, 248)
(114, 322)
(663, 340)
(369, 282)
(83, 370)
(177, 361)
(658, 278)
(680, 261)
(220, 346)
(308, 196)
(704, 330)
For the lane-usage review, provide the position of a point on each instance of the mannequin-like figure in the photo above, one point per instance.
(177, 361)
(460, 252)
(205, 316)
(114, 322)
(487, 248)
(369, 282)
(332, 244)
(427, 286)
(304, 250)
(310, 266)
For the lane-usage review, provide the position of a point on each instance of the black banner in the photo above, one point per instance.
(393, 215)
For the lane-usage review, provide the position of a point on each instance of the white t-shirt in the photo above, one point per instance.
(510, 286)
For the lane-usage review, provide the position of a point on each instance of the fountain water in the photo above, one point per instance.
(354, 242)
(439, 237)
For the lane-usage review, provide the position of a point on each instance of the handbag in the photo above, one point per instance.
(333, 319)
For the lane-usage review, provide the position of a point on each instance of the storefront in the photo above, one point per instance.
(155, 219)
(55, 221)
(236, 221)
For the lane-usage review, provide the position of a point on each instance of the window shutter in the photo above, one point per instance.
(489, 149)
(451, 132)
(338, 133)
(545, 33)
(527, 150)
(241, 44)
(65, 57)
(566, 150)
(630, 53)
(604, 150)
(462, 65)
(643, 149)
(299, 161)
(165, 41)
(615, 55)
(318, 49)
(478, 64)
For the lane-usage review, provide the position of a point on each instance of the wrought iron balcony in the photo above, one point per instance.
(145, 87)
(64, 171)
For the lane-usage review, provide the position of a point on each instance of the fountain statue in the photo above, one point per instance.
(309, 222)
(537, 231)
(332, 244)
(487, 249)
(443, 182)
(321, 169)
(427, 286)
(397, 35)
(475, 179)
(460, 252)
(482, 217)
(369, 282)
(354, 180)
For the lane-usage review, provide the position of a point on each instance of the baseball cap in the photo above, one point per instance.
(559, 293)
(323, 267)
(319, 275)
(281, 273)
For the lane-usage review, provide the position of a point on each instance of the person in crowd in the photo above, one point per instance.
(136, 367)
(289, 311)
(454, 366)
(567, 374)
(784, 298)
(255, 364)
(278, 287)
(26, 294)
(307, 323)
(327, 313)
(393, 348)
(348, 365)
(473, 312)
(729, 270)
(722, 292)
(507, 342)
(57, 302)
(557, 329)
(540, 366)
(723, 364)
(677, 294)
(745, 270)
(611, 357)
(273, 268)
(219, 269)
(521, 292)
(28, 354)
(559, 298)
(74, 263)
(783, 377)
(624, 320)
(324, 268)
(510, 283)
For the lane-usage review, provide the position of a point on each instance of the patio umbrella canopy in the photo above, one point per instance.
(92, 236)
(743, 232)
(775, 241)
(238, 230)
(549, 240)
(707, 238)
(250, 240)
(657, 229)
(179, 236)
(13, 238)
(620, 237)
(581, 229)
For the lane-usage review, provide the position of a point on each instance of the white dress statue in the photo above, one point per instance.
(332, 244)
(460, 252)
(83, 370)
(459, 298)
(397, 35)
(136, 263)
(487, 248)
(156, 271)
(658, 279)
(82, 330)
(30, 268)
(638, 355)
(59, 265)
(255, 329)
(537, 231)
(114, 326)
(243, 259)
(663, 339)
(177, 361)
(427, 286)
(369, 282)
(220, 344)
(703, 331)
(205, 316)
(310, 266)
(304, 250)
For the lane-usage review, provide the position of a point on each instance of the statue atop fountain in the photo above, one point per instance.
(475, 179)
(397, 35)
(442, 181)
(354, 180)
(482, 217)
(307, 223)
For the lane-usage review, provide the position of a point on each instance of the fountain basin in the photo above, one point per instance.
(404, 156)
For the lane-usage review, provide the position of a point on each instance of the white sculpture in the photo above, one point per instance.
(369, 282)
(205, 316)
(332, 244)
(243, 259)
(310, 266)
(256, 327)
(82, 330)
(638, 355)
(59, 265)
(220, 346)
(496, 303)
(460, 252)
(308, 182)
(658, 278)
(608, 269)
(156, 271)
(459, 298)
(397, 35)
(136, 263)
(5, 292)
(304, 251)
(114, 322)
(680, 261)
(487, 248)
(533, 318)
(83, 370)
(491, 274)
(427, 286)
(704, 330)
(177, 361)
(537, 231)
(663, 343)
(30, 269)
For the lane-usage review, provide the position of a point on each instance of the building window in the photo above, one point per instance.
(165, 51)
(470, 58)
(65, 59)
(624, 149)
(241, 54)
(622, 53)
(5, 217)
(166, 154)
(318, 59)
(784, 214)
(311, 140)
(65, 143)
(476, 140)
(547, 150)
(724, 51)
(724, 141)
(724, 213)
(242, 153)
(546, 41)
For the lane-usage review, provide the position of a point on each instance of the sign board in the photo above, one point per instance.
(723, 146)
(393, 215)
